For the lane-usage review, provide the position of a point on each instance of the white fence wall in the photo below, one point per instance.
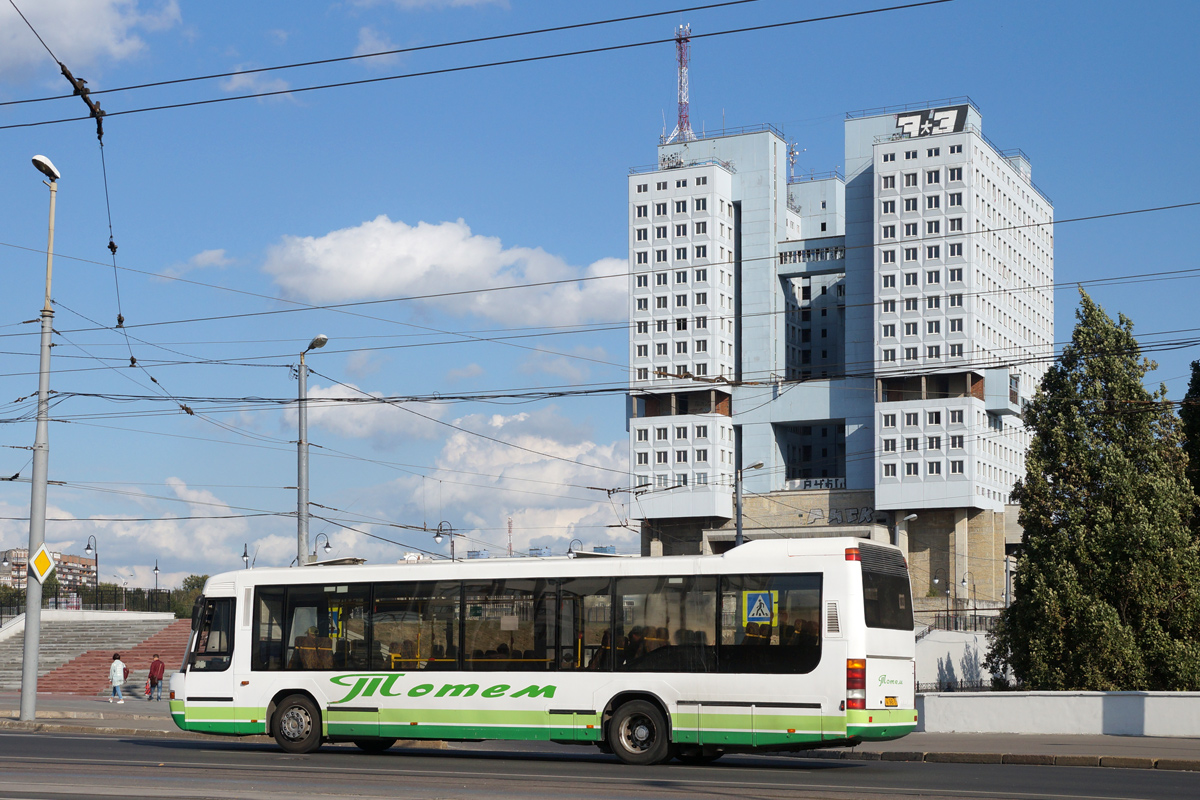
(1113, 713)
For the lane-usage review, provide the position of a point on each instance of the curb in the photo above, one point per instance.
(1024, 759)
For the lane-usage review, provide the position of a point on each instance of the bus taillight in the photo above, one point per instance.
(856, 683)
(852, 554)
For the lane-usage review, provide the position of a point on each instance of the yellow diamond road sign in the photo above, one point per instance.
(41, 565)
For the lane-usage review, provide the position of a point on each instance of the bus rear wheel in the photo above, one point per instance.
(638, 734)
(297, 725)
(373, 746)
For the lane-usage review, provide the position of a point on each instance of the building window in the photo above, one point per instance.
(642, 234)
(910, 354)
(701, 274)
(889, 355)
(910, 179)
(933, 226)
(660, 302)
(660, 434)
(956, 224)
(933, 351)
(660, 232)
(643, 458)
(933, 301)
(660, 457)
(956, 416)
(889, 181)
(912, 444)
(956, 325)
(889, 306)
(681, 301)
(681, 230)
(956, 249)
(643, 327)
(681, 206)
(681, 431)
(933, 201)
(955, 274)
(956, 301)
(643, 351)
(955, 173)
(660, 481)
(661, 186)
(660, 209)
(889, 470)
(681, 348)
(933, 326)
(701, 323)
(933, 176)
(642, 188)
(910, 229)
(910, 254)
(933, 251)
(955, 199)
(642, 257)
(660, 256)
(910, 279)
(911, 419)
(681, 184)
(681, 456)
(889, 206)
(643, 373)
(700, 204)
(956, 468)
(660, 349)
(933, 276)
(889, 445)
(912, 469)
(660, 279)
(955, 149)
(642, 434)
(910, 329)
(889, 281)
(681, 253)
(702, 346)
(641, 211)
(956, 351)
(643, 304)
(889, 420)
(642, 281)
(701, 227)
(910, 204)
(934, 443)
(681, 276)
(934, 468)
(909, 155)
(956, 442)
(701, 456)
(889, 232)
(702, 180)
(889, 157)
(910, 304)
(933, 417)
(889, 256)
(889, 331)
(701, 251)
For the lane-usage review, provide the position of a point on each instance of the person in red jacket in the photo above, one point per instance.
(157, 668)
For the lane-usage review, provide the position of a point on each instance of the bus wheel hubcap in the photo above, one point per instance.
(295, 724)
(639, 733)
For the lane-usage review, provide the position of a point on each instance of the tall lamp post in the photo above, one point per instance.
(246, 555)
(93, 549)
(156, 584)
(946, 591)
(973, 597)
(737, 539)
(317, 541)
(41, 459)
(302, 455)
(445, 528)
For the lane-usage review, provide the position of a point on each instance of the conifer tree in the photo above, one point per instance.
(1107, 588)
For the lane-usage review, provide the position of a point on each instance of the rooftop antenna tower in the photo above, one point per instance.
(510, 537)
(683, 47)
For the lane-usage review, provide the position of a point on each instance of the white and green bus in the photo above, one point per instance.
(775, 645)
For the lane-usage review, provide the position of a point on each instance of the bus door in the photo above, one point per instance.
(210, 679)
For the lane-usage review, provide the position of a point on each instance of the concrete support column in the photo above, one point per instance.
(961, 551)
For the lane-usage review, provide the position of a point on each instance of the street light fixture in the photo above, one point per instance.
(246, 555)
(974, 598)
(571, 551)
(317, 540)
(445, 528)
(93, 549)
(946, 591)
(41, 462)
(318, 341)
(737, 539)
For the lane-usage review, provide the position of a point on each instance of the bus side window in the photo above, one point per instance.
(584, 619)
(267, 651)
(214, 641)
(770, 623)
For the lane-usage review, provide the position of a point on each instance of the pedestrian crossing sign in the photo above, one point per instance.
(41, 564)
(759, 607)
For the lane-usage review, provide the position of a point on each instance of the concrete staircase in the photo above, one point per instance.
(88, 673)
(64, 641)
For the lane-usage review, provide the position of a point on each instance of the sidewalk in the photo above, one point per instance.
(139, 717)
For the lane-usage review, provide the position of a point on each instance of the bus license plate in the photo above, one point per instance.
(890, 702)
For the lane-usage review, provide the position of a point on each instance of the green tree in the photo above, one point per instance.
(1189, 415)
(1107, 593)
(182, 601)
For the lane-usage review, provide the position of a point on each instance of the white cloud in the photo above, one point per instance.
(82, 33)
(571, 370)
(255, 83)
(362, 363)
(382, 258)
(464, 373)
(381, 423)
(372, 41)
(202, 260)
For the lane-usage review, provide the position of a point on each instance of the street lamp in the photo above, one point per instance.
(246, 555)
(93, 549)
(302, 454)
(737, 539)
(41, 461)
(317, 540)
(946, 592)
(156, 584)
(571, 551)
(447, 529)
(974, 608)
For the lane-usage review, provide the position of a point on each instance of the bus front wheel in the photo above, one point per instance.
(297, 725)
(638, 734)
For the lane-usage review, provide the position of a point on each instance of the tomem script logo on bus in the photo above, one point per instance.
(382, 684)
(884, 680)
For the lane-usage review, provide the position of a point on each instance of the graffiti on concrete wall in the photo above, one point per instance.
(837, 516)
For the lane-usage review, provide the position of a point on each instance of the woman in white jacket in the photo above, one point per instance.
(116, 676)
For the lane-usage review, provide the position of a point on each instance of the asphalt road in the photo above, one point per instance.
(41, 765)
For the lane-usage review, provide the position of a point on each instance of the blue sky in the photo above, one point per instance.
(438, 184)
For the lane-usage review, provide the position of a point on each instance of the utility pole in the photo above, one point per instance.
(302, 556)
(41, 463)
